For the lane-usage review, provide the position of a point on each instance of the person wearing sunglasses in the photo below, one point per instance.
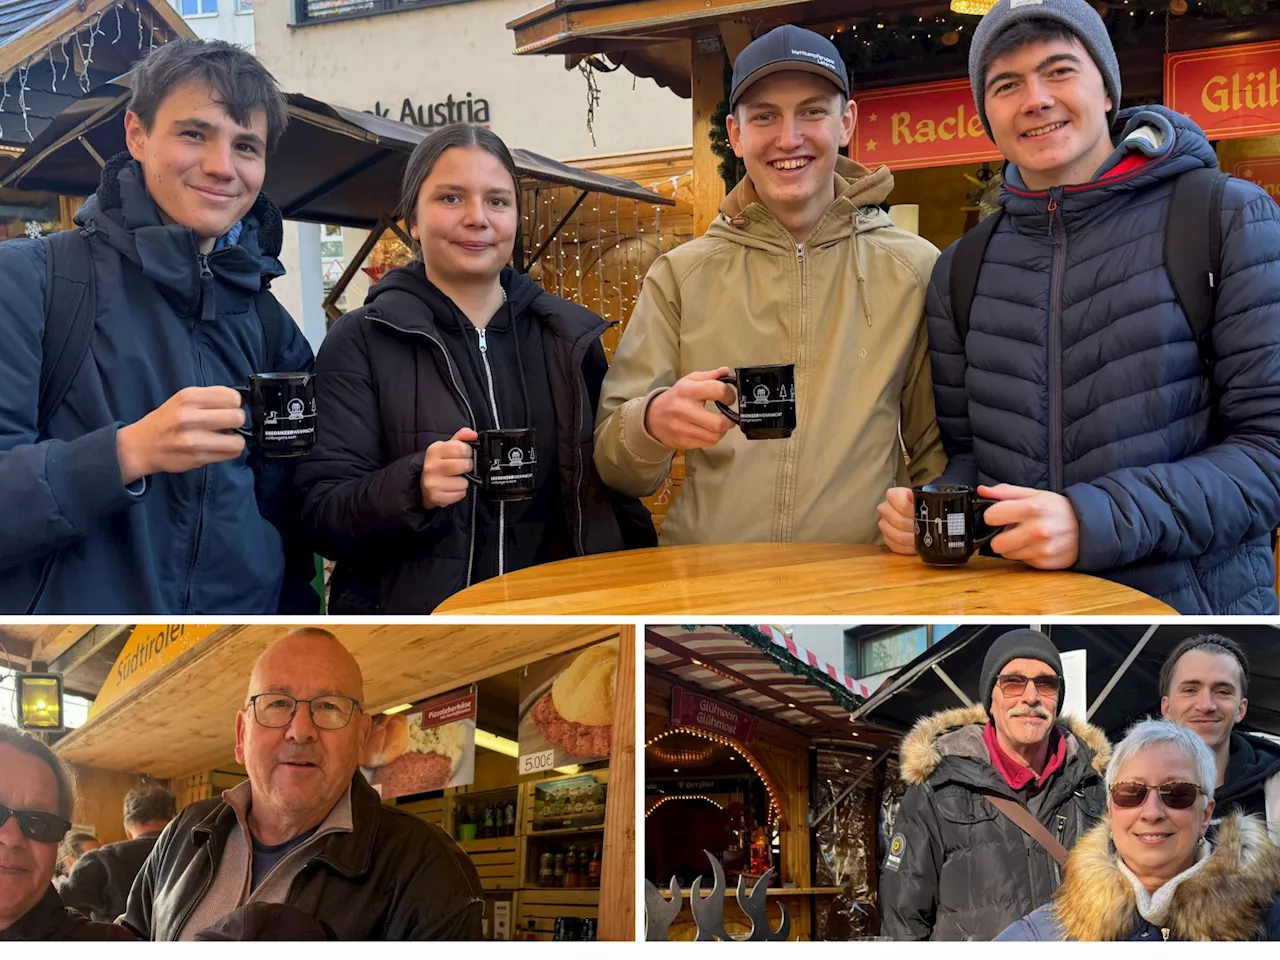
(306, 829)
(37, 800)
(960, 863)
(1150, 872)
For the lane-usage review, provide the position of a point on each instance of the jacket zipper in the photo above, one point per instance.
(206, 305)
(493, 402)
(471, 494)
(208, 882)
(1058, 233)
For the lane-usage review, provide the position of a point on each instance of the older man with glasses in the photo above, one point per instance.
(306, 829)
(996, 793)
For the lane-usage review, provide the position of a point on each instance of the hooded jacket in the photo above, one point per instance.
(1235, 896)
(51, 920)
(1252, 781)
(391, 877)
(959, 869)
(209, 541)
(846, 306)
(407, 370)
(99, 883)
(1081, 375)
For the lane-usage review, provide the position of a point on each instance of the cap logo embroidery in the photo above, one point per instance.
(825, 61)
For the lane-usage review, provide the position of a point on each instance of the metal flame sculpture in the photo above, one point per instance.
(708, 911)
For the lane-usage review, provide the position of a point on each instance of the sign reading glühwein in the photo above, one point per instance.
(707, 713)
(1229, 91)
(925, 125)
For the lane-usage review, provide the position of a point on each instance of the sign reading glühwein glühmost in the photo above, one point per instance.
(1229, 91)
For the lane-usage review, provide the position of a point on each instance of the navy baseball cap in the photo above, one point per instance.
(787, 48)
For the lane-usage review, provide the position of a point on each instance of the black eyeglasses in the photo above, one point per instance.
(1012, 684)
(1175, 796)
(327, 713)
(37, 825)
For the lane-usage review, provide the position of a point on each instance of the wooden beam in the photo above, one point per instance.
(707, 79)
(735, 37)
(618, 874)
(54, 641)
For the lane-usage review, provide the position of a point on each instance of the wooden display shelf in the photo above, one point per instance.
(566, 831)
(182, 720)
(573, 896)
(537, 910)
(497, 860)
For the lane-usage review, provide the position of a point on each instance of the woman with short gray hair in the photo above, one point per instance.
(1149, 871)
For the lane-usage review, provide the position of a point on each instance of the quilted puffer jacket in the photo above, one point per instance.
(1080, 374)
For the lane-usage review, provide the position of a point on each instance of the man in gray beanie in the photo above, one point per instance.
(1075, 335)
(963, 860)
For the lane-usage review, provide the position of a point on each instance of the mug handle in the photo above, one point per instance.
(474, 445)
(731, 414)
(980, 505)
(246, 396)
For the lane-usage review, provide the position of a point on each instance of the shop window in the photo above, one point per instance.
(244, 6)
(309, 11)
(199, 8)
(873, 651)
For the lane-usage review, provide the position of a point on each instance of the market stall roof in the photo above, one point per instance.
(761, 669)
(333, 165)
(37, 36)
(181, 720)
(918, 689)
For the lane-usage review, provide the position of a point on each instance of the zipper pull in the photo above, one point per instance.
(800, 253)
(1053, 205)
(484, 346)
(204, 266)
(1164, 932)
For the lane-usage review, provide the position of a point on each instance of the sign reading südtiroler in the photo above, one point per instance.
(148, 650)
(1230, 92)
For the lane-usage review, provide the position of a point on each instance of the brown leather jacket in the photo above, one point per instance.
(393, 877)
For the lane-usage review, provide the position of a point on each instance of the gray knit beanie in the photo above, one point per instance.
(1014, 645)
(1076, 15)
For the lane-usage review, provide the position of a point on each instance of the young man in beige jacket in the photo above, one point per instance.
(801, 267)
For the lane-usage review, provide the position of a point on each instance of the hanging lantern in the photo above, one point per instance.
(973, 8)
(40, 702)
(1177, 7)
(950, 38)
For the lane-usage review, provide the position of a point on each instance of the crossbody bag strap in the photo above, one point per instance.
(1029, 825)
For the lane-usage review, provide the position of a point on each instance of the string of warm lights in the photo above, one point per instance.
(686, 757)
(775, 807)
(680, 796)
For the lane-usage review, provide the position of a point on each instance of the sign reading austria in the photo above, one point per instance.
(925, 125)
(1229, 91)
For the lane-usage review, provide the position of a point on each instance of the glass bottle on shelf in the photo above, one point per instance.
(593, 868)
(558, 870)
(545, 871)
(511, 818)
(488, 820)
(571, 868)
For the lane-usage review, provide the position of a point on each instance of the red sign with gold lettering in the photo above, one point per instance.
(924, 125)
(1264, 171)
(1229, 91)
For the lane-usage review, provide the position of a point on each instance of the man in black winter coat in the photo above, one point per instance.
(958, 867)
(100, 883)
(128, 490)
(1204, 686)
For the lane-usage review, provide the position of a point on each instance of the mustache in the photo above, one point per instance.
(1031, 709)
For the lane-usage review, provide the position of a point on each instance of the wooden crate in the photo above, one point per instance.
(536, 910)
(432, 811)
(497, 861)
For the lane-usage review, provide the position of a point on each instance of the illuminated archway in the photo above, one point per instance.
(776, 809)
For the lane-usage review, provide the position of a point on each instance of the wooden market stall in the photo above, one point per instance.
(175, 723)
(740, 733)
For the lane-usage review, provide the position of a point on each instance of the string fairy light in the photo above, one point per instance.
(680, 796)
(775, 807)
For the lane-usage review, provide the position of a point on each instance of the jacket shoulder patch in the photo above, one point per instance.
(897, 847)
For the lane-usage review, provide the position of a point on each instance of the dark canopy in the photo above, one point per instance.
(333, 165)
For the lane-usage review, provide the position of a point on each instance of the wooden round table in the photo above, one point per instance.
(788, 579)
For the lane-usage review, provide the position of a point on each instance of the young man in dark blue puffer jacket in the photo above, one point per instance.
(137, 496)
(1078, 397)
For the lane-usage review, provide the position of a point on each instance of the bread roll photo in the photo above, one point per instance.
(388, 740)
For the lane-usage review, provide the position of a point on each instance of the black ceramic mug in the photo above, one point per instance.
(506, 461)
(766, 400)
(281, 413)
(949, 523)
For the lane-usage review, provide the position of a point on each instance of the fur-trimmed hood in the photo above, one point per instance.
(958, 732)
(1226, 900)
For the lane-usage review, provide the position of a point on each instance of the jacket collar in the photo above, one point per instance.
(1175, 146)
(1226, 899)
(122, 214)
(41, 922)
(859, 190)
(958, 734)
(345, 838)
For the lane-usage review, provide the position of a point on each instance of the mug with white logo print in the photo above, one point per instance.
(506, 461)
(766, 400)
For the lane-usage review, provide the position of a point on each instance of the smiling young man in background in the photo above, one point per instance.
(128, 490)
(1113, 382)
(800, 267)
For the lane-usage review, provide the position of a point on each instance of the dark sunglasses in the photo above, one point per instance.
(1175, 796)
(35, 825)
(1012, 684)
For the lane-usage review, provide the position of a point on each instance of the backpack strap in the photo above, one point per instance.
(70, 300)
(1193, 255)
(271, 315)
(966, 262)
(1028, 824)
